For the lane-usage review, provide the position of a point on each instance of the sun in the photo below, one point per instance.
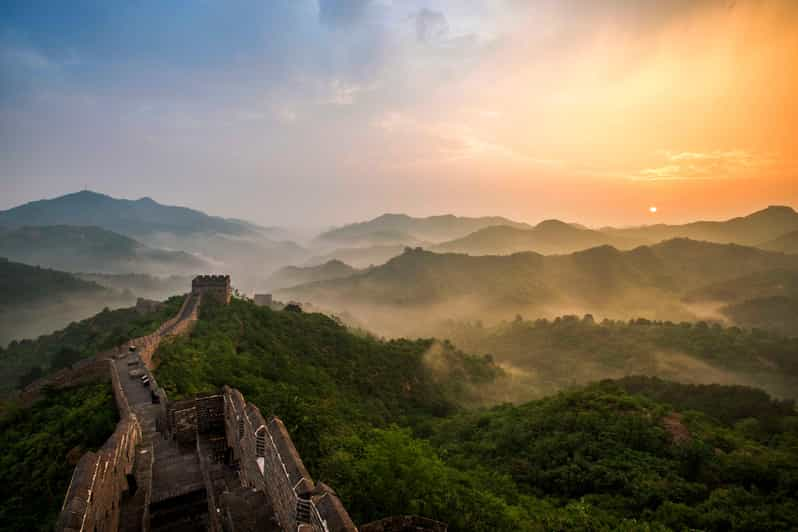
(652, 210)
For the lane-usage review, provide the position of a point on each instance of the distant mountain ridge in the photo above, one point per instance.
(377, 240)
(128, 217)
(787, 243)
(753, 229)
(645, 281)
(88, 248)
(37, 300)
(548, 237)
(431, 228)
(230, 245)
(295, 275)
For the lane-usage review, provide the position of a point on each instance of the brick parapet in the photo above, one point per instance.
(100, 479)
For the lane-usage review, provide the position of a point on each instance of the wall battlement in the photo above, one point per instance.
(217, 286)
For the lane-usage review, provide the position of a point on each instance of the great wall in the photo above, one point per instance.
(211, 462)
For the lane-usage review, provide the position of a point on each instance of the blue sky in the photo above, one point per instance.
(315, 112)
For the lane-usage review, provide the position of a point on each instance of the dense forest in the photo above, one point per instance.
(40, 447)
(27, 360)
(420, 427)
(569, 350)
(397, 427)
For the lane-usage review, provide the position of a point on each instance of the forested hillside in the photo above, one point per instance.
(294, 275)
(396, 428)
(26, 360)
(41, 446)
(547, 238)
(410, 293)
(548, 355)
(324, 381)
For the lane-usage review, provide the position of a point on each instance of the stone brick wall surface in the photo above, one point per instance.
(100, 479)
(97, 368)
(268, 460)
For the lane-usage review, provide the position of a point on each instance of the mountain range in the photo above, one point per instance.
(548, 237)
(92, 249)
(38, 300)
(133, 218)
(374, 242)
(752, 230)
(295, 275)
(405, 229)
(222, 244)
(647, 281)
(787, 243)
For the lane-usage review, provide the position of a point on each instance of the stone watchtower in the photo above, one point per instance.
(215, 286)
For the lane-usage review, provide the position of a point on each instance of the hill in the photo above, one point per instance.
(230, 244)
(398, 427)
(767, 283)
(37, 300)
(142, 285)
(81, 249)
(602, 458)
(294, 275)
(41, 445)
(786, 243)
(764, 300)
(775, 313)
(751, 230)
(545, 356)
(547, 238)
(432, 229)
(647, 281)
(24, 361)
(359, 257)
(394, 435)
(128, 217)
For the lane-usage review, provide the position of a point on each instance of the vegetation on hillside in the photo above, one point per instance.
(386, 424)
(566, 351)
(322, 380)
(412, 293)
(40, 447)
(27, 360)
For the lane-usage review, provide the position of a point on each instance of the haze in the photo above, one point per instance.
(320, 113)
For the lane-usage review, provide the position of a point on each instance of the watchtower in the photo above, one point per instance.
(215, 286)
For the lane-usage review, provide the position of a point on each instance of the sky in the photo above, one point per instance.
(323, 112)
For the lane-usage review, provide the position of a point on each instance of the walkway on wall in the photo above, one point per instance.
(176, 484)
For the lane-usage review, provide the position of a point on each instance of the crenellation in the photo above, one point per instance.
(216, 286)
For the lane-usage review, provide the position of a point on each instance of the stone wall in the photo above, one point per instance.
(99, 479)
(216, 286)
(96, 368)
(175, 326)
(269, 461)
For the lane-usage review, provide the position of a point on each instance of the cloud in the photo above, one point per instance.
(431, 26)
(341, 12)
(716, 164)
(342, 92)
